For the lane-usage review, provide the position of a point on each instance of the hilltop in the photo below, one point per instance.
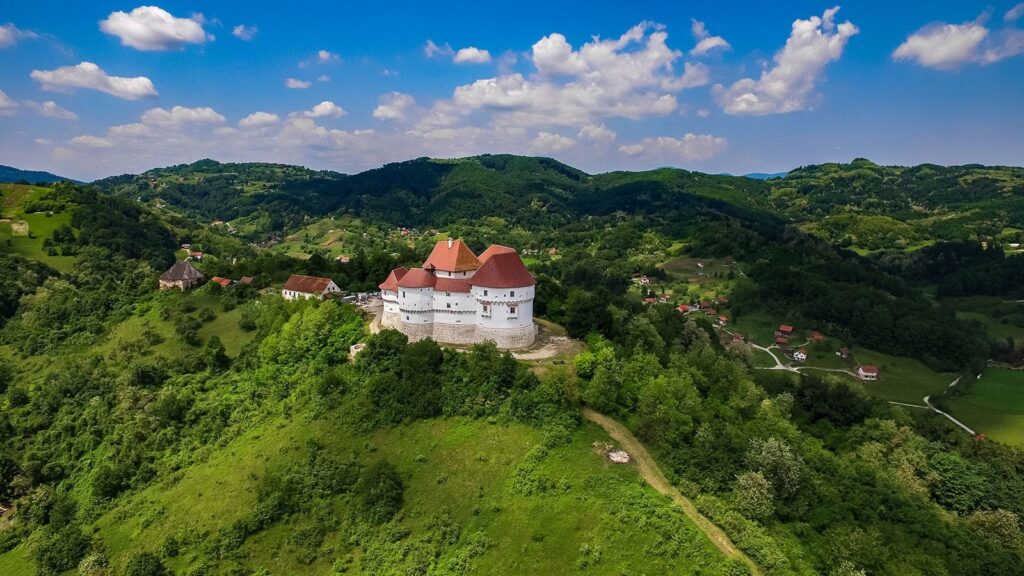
(11, 174)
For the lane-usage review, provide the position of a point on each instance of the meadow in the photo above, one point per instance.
(994, 406)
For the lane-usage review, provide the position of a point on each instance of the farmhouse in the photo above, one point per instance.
(800, 355)
(786, 331)
(723, 320)
(195, 254)
(459, 298)
(299, 286)
(224, 282)
(183, 275)
(817, 336)
(867, 372)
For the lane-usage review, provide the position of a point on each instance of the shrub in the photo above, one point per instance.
(379, 492)
(145, 564)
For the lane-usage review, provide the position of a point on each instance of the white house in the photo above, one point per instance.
(299, 286)
(800, 355)
(867, 372)
(459, 298)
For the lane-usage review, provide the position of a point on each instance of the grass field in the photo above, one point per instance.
(901, 379)
(15, 239)
(995, 406)
(597, 518)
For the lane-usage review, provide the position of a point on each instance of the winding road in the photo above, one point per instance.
(650, 472)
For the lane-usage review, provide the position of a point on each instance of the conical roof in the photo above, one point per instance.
(453, 257)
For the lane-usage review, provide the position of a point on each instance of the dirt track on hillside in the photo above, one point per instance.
(650, 472)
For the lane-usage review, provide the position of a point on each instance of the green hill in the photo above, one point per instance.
(11, 174)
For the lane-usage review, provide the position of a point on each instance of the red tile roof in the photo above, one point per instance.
(417, 278)
(451, 285)
(494, 249)
(455, 258)
(786, 328)
(306, 284)
(869, 369)
(503, 270)
(225, 282)
(246, 280)
(392, 280)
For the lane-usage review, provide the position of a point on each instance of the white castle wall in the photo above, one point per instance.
(499, 303)
(416, 305)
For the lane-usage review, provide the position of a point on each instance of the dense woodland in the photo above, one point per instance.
(806, 474)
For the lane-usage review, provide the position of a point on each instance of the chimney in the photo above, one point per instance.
(450, 241)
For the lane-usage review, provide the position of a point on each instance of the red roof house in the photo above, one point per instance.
(224, 282)
(867, 372)
(817, 336)
(503, 270)
(299, 286)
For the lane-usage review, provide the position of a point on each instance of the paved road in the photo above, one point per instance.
(650, 472)
(927, 404)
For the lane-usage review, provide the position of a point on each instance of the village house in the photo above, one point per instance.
(737, 337)
(195, 255)
(224, 282)
(246, 280)
(299, 286)
(343, 259)
(800, 355)
(649, 300)
(459, 298)
(182, 275)
(843, 352)
(683, 308)
(643, 280)
(867, 372)
(722, 300)
(785, 330)
(817, 336)
(723, 320)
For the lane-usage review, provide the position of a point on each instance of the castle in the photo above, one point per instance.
(459, 298)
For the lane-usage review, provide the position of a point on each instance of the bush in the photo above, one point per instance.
(146, 564)
(378, 492)
(61, 550)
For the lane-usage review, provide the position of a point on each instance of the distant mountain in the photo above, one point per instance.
(11, 174)
(765, 175)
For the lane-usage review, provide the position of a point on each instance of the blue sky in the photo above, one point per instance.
(88, 89)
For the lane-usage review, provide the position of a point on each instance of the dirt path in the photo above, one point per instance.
(650, 472)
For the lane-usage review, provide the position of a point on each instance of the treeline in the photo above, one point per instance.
(964, 269)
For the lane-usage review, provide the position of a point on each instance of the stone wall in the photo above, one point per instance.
(416, 331)
(454, 333)
(390, 320)
(508, 338)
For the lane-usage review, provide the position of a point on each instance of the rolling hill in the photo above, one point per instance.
(11, 174)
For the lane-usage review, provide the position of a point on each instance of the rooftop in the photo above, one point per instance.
(503, 270)
(451, 256)
(306, 284)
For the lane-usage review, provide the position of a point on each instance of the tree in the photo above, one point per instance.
(753, 496)
(1001, 526)
(379, 492)
(216, 356)
(777, 461)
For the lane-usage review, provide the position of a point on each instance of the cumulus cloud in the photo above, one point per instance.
(596, 133)
(11, 34)
(549, 143)
(689, 147)
(323, 78)
(472, 55)
(297, 84)
(180, 115)
(91, 76)
(325, 109)
(152, 28)
(321, 57)
(8, 106)
(393, 106)
(944, 46)
(788, 86)
(632, 76)
(91, 142)
(705, 41)
(244, 33)
(50, 109)
(258, 120)
(432, 50)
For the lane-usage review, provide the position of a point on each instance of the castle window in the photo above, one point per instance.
(447, 293)
(406, 316)
(511, 292)
(448, 305)
(512, 310)
(485, 292)
(403, 293)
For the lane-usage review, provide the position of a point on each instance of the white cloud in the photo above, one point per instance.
(324, 57)
(91, 142)
(43, 141)
(323, 78)
(8, 107)
(89, 75)
(547, 142)
(51, 109)
(180, 115)
(472, 55)
(952, 46)
(1014, 14)
(258, 120)
(705, 41)
(694, 74)
(703, 113)
(596, 133)
(325, 109)
(431, 50)
(297, 84)
(388, 72)
(11, 34)
(245, 33)
(689, 147)
(631, 76)
(789, 85)
(151, 28)
(393, 106)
